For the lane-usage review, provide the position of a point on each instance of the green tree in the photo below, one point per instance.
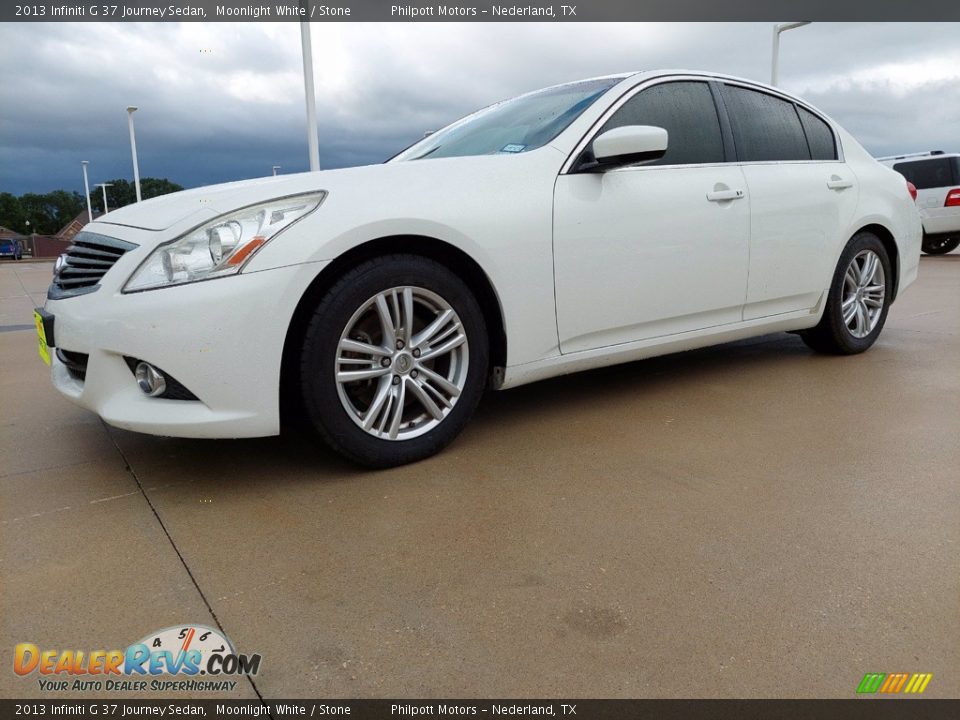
(12, 214)
(122, 192)
(48, 212)
(154, 187)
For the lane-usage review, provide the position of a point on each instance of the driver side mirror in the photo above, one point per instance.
(627, 145)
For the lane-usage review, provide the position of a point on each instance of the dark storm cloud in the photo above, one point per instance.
(224, 101)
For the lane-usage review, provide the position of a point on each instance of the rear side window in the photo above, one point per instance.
(764, 127)
(686, 111)
(926, 174)
(819, 136)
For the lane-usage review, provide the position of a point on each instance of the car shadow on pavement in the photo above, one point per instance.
(299, 456)
(571, 392)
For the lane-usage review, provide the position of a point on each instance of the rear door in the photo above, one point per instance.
(802, 197)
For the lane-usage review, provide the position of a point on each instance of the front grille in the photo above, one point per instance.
(76, 363)
(85, 263)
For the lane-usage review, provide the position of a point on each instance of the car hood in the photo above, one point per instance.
(387, 180)
(165, 211)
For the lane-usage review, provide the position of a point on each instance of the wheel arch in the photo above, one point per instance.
(890, 245)
(455, 259)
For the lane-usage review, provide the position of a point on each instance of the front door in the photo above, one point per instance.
(656, 250)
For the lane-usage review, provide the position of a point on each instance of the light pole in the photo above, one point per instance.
(86, 190)
(131, 109)
(275, 168)
(104, 186)
(775, 61)
(33, 240)
(307, 50)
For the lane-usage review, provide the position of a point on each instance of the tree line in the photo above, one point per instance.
(48, 212)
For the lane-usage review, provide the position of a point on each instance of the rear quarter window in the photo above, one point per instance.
(819, 136)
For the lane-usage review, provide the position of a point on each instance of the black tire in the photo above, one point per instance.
(939, 245)
(318, 360)
(831, 335)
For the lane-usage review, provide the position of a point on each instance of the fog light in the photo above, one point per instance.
(150, 380)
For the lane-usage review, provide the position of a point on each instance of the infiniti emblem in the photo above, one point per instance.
(59, 264)
(403, 363)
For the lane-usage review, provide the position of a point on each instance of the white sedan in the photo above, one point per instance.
(586, 224)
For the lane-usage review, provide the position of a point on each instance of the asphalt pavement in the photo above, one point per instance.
(750, 520)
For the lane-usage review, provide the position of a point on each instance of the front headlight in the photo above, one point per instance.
(221, 246)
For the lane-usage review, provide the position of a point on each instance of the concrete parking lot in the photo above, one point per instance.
(750, 520)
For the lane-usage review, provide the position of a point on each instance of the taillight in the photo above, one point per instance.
(953, 198)
(912, 189)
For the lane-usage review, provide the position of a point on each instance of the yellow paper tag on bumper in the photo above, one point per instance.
(42, 347)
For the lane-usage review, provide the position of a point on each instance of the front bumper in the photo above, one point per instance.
(222, 339)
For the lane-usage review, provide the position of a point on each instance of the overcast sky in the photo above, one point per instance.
(225, 101)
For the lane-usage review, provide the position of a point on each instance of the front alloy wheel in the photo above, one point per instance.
(402, 363)
(394, 360)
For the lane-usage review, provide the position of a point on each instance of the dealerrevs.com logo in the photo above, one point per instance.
(182, 658)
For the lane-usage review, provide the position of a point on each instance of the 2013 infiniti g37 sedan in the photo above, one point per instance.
(587, 224)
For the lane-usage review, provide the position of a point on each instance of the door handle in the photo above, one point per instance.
(836, 183)
(724, 195)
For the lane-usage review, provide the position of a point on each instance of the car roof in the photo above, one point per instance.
(919, 157)
(636, 76)
(644, 74)
(641, 75)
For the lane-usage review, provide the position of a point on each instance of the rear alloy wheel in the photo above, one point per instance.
(939, 245)
(395, 361)
(857, 301)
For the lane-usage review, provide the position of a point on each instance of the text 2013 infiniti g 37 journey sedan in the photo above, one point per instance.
(582, 225)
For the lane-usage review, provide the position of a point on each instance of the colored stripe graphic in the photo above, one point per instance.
(871, 682)
(894, 682)
(918, 683)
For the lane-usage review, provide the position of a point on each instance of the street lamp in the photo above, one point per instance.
(307, 51)
(131, 109)
(86, 190)
(275, 168)
(104, 186)
(33, 239)
(775, 62)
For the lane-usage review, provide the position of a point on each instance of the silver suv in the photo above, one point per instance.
(936, 175)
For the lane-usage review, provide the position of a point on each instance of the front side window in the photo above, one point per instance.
(512, 126)
(926, 174)
(765, 127)
(686, 111)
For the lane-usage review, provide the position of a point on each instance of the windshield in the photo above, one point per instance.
(512, 126)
